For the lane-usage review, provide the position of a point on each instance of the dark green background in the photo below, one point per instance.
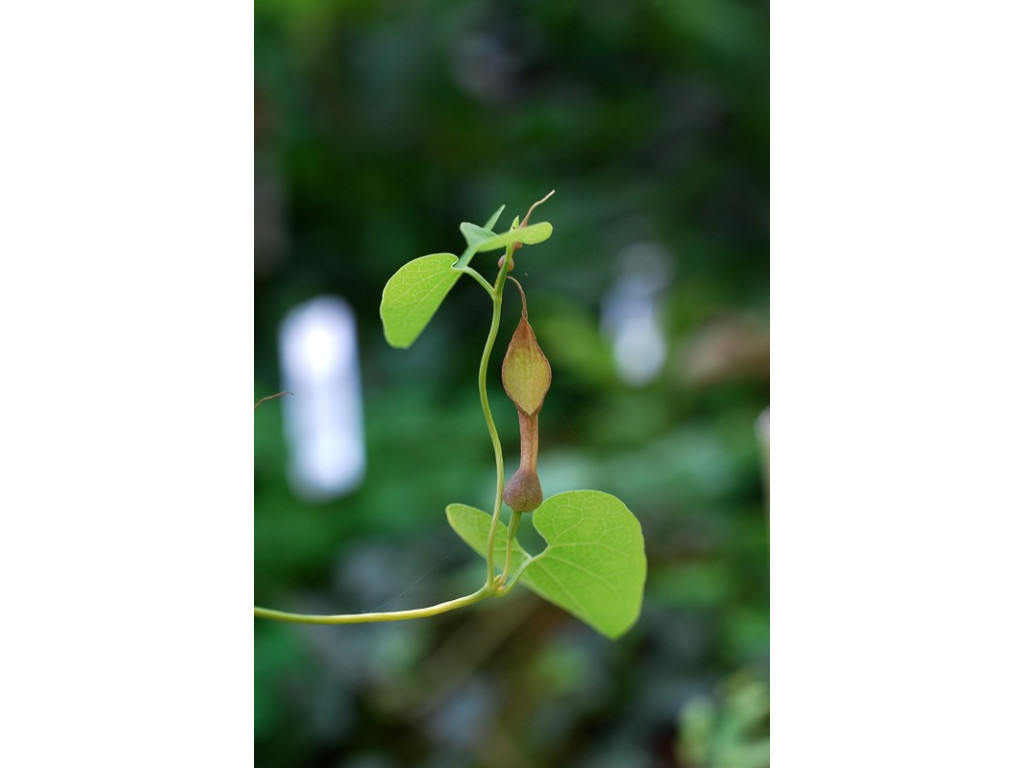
(380, 126)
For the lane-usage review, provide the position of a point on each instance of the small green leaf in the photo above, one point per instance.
(474, 235)
(594, 565)
(413, 294)
(531, 235)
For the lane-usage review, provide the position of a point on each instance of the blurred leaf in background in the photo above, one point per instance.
(729, 730)
(380, 127)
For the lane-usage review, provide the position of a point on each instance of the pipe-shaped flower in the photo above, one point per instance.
(526, 375)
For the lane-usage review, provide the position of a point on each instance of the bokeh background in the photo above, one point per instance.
(379, 127)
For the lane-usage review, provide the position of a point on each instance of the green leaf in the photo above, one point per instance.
(413, 294)
(474, 235)
(480, 243)
(529, 235)
(594, 565)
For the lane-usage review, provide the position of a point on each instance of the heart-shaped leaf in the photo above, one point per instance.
(413, 294)
(594, 565)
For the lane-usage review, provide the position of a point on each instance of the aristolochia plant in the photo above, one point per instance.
(594, 564)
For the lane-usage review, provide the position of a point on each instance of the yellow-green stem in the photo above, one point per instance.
(499, 287)
(362, 618)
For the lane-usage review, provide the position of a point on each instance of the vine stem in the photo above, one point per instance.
(499, 287)
(362, 618)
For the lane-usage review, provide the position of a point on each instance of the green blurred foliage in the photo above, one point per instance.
(728, 729)
(380, 126)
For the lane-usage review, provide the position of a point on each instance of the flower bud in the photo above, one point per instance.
(526, 375)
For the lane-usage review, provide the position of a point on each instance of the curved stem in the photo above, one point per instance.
(478, 277)
(499, 287)
(362, 618)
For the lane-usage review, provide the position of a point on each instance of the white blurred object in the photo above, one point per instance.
(323, 417)
(630, 312)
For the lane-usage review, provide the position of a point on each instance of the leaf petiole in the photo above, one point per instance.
(505, 588)
(476, 276)
(513, 526)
